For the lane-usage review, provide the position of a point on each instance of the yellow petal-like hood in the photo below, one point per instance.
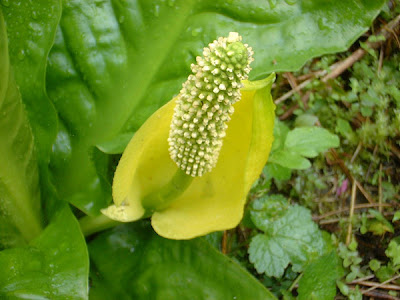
(214, 201)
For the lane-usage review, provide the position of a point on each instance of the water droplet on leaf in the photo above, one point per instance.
(21, 54)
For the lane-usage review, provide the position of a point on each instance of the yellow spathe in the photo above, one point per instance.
(214, 201)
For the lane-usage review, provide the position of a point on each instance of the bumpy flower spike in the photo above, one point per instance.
(204, 104)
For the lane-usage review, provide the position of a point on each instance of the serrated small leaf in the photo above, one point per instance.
(294, 238)
(310, 141)
(319, 278)
(267, 209)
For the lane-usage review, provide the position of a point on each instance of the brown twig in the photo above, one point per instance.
(343, 210)
(298, 88)
(289, 112)
(291, 109)
(224, 242)
(345, 64)
(380, 188)
(292, 80)
(358, 149)
(336, 220)
(380, 63)
(379, 285)
(355, 281)
(352, 203)
(365, 193)
(379, 295)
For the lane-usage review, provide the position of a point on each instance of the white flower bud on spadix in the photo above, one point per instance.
(204, 104)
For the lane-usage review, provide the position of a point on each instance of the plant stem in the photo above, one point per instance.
(90, 225)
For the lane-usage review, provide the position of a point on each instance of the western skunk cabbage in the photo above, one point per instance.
(192, 163)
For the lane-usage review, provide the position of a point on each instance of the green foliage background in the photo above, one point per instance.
(77, 79)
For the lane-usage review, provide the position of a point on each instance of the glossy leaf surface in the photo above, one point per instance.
(20, 215)
(54, 266)
(31, 29)
(133, 262)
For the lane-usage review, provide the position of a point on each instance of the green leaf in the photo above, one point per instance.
(393, 252)
(379, 225)
(115, 62)
(385, 273)
(294, 238)
(306, 120)
(319, 278)
(20, 217)
(276, 171)
(292, 146)
(289, 160)
(54, 266)
(310, 141)
(396, 216)
(132, 262)
(267, 209)
(280, 132)
(343, 127)
(31, 27)
(374, 264)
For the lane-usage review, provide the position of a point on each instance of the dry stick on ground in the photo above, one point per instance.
(332, 221)
(352, 203)
(378, 295)
(380, 64)
(356, 207)
(379, 285)
(393, 287)
(290, 111)
(355, 281)
(387, 31)
(358, 149)
(380, 188)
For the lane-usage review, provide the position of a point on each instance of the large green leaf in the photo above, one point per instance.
(132, 262)
(31, 27)
(319, 278)
(54, 266)
(116, 61)
(20, 218)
